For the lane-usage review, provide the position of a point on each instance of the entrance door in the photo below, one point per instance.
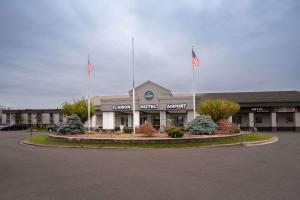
(155, 121)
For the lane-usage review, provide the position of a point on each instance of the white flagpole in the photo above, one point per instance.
(89, 101)
(194, 98)
(133, 88)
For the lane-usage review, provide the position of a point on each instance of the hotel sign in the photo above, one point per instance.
(121, 107)
(176, 106)
(286, 109)
(260, 110)
(149, 106)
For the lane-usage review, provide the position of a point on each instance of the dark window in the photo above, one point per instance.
(29, 118)
(258, 120)
(39, 118)
(51, 118)
(142, 119)
(289, 119)
(237, 119)
(8, 118)
(124, 121)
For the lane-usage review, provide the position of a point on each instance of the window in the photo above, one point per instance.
(51, 118)
(258, 120)
(237, 119)
(124, 121)
(8, 118)
(143, 119)
(289, 119)
(39, 118)
(29, 118)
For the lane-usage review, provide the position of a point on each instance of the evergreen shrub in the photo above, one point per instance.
(202, 124)
(73, 125)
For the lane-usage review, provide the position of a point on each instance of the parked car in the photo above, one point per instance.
(14, 127)
(53, 127)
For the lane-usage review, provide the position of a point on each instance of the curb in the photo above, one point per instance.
(26, 143)
(263, 142)
(248, 144)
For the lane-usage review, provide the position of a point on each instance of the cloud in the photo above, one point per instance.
(243, 46)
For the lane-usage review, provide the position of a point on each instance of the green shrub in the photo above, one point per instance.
(174, 132)
(127, 130)
(202, 124)
(218, 109)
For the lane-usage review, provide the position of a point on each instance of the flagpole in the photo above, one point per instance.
(194, 98)
(133, 89)
(89, 101)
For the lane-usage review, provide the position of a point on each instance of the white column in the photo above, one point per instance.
(297, 120)
(93, 121)
(190, 116)
(251, 120)
(129, 120)
(137, 119)
(108, 120)
(230, 119)
(163, 119)
(4, 119)
(273, 121)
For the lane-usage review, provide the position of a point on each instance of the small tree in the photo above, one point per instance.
(218, 108)
(202, 124)
(80, 108)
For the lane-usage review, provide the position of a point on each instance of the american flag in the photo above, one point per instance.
(195, 60)
(90, 67)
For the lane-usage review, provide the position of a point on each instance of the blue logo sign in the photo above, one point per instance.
(149, 95)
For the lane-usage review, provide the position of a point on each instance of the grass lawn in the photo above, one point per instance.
(44, 139)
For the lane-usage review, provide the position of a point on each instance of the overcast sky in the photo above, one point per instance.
(248, 45)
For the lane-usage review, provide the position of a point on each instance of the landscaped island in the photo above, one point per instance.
(236, 139)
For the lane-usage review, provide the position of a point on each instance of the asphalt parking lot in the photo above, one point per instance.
(260, 172)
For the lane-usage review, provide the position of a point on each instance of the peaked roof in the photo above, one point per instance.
(150, 82)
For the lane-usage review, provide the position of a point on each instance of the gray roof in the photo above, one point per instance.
(254, 97)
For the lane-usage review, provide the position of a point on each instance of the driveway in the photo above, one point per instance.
(260, 172)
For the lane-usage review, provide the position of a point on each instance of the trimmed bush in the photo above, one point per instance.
(202, 124)
(174, 132)
(227, 127)
(147, 129)
(127, 130)
(218, 109)
(73, 125)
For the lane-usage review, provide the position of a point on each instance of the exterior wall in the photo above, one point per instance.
(281, 120)
(34, 119)
(297, 120)
(55, 118)
(4, 120)
(45, 118)
(24, 118)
